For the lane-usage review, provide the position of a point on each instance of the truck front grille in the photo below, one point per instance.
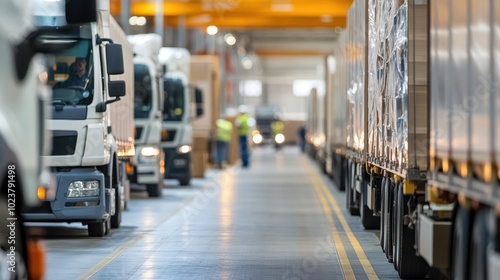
(167, 135)
(63, 142)
(138, 132)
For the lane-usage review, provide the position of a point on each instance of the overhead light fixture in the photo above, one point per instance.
(247, 63)
(230, 39)
(326, 18)
(282, 7)
(135, 20)
(212, 30)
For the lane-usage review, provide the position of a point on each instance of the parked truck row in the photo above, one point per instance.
(411, 129)
(85, 110)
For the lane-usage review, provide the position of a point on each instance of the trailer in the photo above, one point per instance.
(383, 76)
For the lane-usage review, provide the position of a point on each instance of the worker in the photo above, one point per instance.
(277, 127)
(223, 135)
(302, 137)
(243, 130)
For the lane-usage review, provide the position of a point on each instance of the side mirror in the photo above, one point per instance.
(79, 12)
(198, 97)
(116, 88)
(114, 59)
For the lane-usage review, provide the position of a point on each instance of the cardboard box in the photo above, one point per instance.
(199, 164)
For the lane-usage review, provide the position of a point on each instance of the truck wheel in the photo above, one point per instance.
(98, 229)
(388, 219)
(382, 214)
(116, 219)
(353, 210)
(460, 248)
(368, 220)
(348, 185)
(185, 181)
(406, 262)
(479, 242)
(154, 190)
(20, 239)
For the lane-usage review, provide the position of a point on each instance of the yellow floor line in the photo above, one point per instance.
(367, 267)
(339, 246)
(109, 258)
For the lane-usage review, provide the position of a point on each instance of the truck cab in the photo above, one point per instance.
(179, 110)
(24, 179)
(92, 134)
(149, 164)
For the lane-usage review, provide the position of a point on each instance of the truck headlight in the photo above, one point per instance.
(257, 138)
(184, 149)
(83, 188)
(279, 138)
(149, 152)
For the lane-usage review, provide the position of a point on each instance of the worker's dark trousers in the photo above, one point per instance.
(221, 148)
(244, 150)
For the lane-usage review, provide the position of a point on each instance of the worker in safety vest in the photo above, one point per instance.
(243, 131)
(223, 136)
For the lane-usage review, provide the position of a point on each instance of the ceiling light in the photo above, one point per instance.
(212, 30)
(326, 18)
(282, 7)
(230, 39)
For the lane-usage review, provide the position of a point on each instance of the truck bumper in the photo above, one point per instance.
(78, 209)
(147, 173)
(177, 166)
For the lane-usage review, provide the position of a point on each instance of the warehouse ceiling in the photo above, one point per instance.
(288, 37)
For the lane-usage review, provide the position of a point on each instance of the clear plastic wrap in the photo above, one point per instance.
(356, 71)
(397, 79)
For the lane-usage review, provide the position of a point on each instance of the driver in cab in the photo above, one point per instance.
(79, 77)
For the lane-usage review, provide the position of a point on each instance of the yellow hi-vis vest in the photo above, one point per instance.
(277, 127)
(242, 123)
(224, 128)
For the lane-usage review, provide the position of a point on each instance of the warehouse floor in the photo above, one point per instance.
(279, 219)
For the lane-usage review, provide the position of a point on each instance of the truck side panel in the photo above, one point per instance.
(122, 120)
(397, 85)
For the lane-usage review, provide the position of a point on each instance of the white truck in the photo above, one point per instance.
(92, 138)
(149, 163)
(22, 135)
(179, 110)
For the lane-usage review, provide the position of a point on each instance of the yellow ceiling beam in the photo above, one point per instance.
(256, 22)
(242, 13)
(254, 8)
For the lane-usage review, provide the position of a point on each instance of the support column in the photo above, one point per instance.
(159, 25)
(125, 15)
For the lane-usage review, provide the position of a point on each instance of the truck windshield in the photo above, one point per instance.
(173, 108)
(71, 76)
(143, 91)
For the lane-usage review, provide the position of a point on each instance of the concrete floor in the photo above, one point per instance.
(279, 219)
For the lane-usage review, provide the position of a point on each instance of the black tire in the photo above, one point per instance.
(21, 239)
(154, 190)
(406, 262)
(382, 214)
(479, 242)
(388, 204)
(348, 186)
(98, 229)
(368, 220)
(116, 219)
(339, 177)
(185, 181)
(353, 210)
(460, 240)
